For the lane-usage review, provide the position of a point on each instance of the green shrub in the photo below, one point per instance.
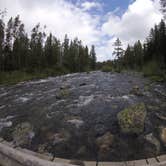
(151, 69)
(154, 72)
(107, 68)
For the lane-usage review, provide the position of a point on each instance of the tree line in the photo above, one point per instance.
(38, 51)
(138, 56)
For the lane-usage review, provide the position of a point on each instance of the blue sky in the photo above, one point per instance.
(113, 4)
(97, 22)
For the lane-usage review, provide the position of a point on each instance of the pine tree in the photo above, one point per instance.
(138, 55)
(8, 59)
(93, 57)
(18, 52)
(2, 35)
(129, 58)
(162, 44)
(21, 48)
(36, 45)
(118, 51)
(57, 55)
(163, 5)
(66, 52)
(48, 51)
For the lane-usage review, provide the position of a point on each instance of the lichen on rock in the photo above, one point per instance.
(23, 134)
(131, 120)
(136, 91)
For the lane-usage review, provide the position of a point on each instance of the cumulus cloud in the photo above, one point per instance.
(91, 5)
(60, 17)
(135, 23)
(63, 17)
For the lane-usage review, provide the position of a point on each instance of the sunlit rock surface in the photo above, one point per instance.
(67, 114)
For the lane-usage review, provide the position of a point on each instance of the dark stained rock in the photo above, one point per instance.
(104, 144)
(82, 84)
(82, 151)
(154, 143)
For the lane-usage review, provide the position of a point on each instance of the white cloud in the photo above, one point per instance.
(60, 17)
(135, 23)
(91, 5)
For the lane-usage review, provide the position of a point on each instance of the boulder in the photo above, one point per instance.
(131, 120)
(23, 134)
(104, 144)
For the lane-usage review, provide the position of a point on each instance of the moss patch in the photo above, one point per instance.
(131, 119)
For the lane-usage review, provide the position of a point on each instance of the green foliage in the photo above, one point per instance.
(93, 58)
(149, 58)
(118, 51)
(153, 71)
(23, 58)
(107, 68)
(14, 77)
(151, 68)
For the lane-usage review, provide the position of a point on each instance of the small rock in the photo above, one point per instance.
(161, 117)
(77, 162)
(154, 141)
(163, 105)
(23, 134)
(65, 86)
(100, 129)
(136, 91)
(77, 122)
(5, 124)
(61, 137)
(85, 100)
(131, 120)
(41, 148)
(104, 143)
(82, 151)
(82, 84)
(63, 93)
(153, 108)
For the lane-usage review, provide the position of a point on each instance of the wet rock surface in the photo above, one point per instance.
(76, 116)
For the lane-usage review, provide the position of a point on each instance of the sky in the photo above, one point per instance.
(95, 22)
